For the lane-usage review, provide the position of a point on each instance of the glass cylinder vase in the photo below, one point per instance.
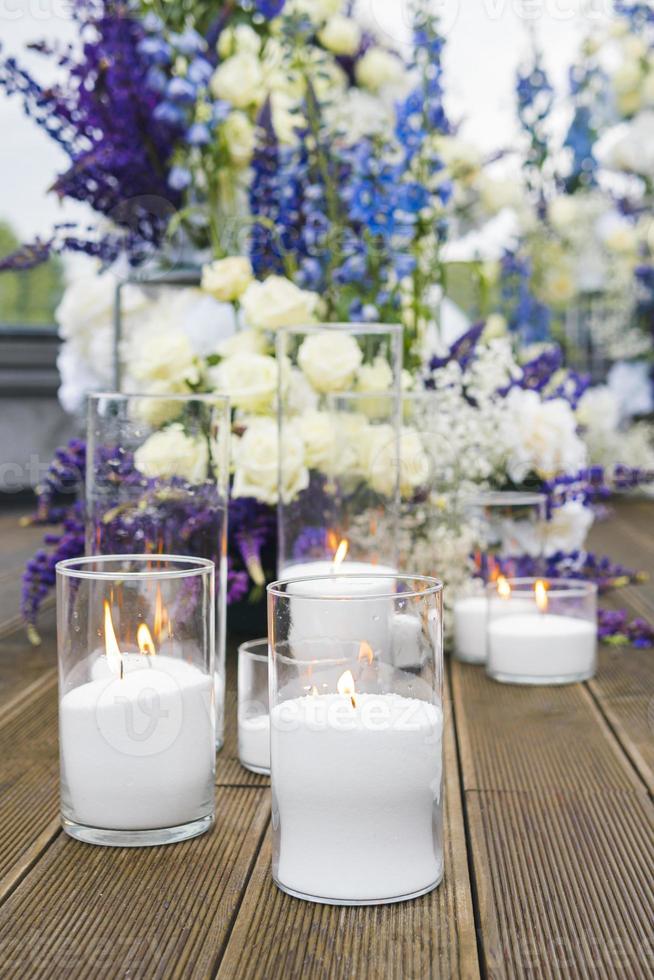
(356, 721)
(136, 714)
(327, 499)
(507, 532)
(157, 482)
(253, 709)
(541, 631)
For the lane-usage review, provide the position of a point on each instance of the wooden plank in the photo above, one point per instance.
(149, 913)
(21, 663)
(276, 936)
(624, 691)
(527, 738)
(564, 883)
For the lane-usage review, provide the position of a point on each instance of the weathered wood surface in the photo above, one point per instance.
(549, 862)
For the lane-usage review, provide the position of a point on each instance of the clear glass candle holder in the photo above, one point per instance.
(157, 481)
(329, 491)
(253, 706)
(136, 698)
(541, 631)
(356, 724)
(509, 529)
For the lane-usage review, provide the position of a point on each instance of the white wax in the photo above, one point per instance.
(137, 753)
(254, 742)
(471, 621)
(339, 626)
(356, 796)
(541, 648)
(470, 629)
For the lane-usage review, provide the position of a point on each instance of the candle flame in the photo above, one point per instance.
(341, 552)
(145, 641)
(112, 650)
(365, 652)
(345, 685)
(503, 587)
(540, 593)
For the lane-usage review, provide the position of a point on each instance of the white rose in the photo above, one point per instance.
(357, 114)
(380, 455)
(544, 438)
(563, 212)
(237, 39)
(316, 10)
(341, 35)
(238, 80)
(300, 396)
(227, 279)
(162, 355)
(599, 409)
(173, 453)
(630, 146)
(243, 342)
(647, 90)
(330, 360)
(319, 437)
(240, 137)
(88, 305)
(249, 381)
(256, 459)
(378, 68)
(568, 527)
(286, 117)
(495, 327)
(276, 303)
(627, 77)
(156, 410)
(496, 193)
(558, 284)
(377, 376)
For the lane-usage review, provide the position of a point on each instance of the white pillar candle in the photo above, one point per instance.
(541, 648)
(471, 621)
(367, 620)
(355, 791)
(254, 742)
(470, 616)
(137, 751)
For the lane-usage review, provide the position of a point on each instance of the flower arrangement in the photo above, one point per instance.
(315, 177)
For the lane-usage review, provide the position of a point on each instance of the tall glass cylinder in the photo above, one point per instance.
(157, 481)
(356, 721)
(136, 698)
(328, 494)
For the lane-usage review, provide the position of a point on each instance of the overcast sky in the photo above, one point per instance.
(486, 41)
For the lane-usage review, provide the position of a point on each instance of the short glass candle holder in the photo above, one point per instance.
(136, 714)
(541, 631)
(253, 706)
(356, 726)
(157, 477)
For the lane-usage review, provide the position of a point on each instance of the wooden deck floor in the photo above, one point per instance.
(549, 866)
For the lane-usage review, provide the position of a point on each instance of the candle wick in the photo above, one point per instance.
(354, 704)
(122, 669)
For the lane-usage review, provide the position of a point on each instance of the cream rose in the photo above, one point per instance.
(234, 40)
(157, 355)
(243, 342)
(227, 279)
(544, 439)
(340, 35)
(319, 437)
(381, 462)
(378, 68)
(377, 376)
(330, 360)
(173, 453)
(276, 303)
(568, 528)
(249, 381)
(240, 137)
(239, 80)
(256, 461)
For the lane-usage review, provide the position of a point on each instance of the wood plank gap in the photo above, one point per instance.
(27, 694)
(472, 877)
(640, 784)
(631, 751)
(22, 868)
(232, 922)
